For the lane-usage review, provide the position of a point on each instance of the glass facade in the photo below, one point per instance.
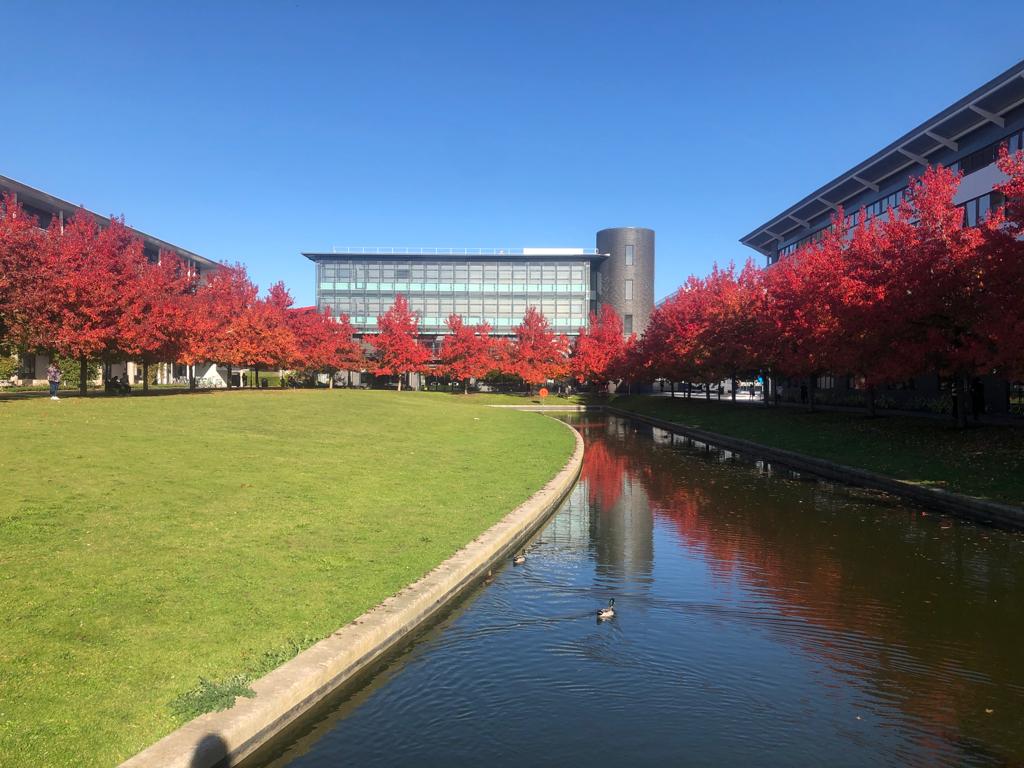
(970, 163)
(480, 289)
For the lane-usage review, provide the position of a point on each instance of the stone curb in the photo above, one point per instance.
(536, 408)
(933, 498)
(285, 694)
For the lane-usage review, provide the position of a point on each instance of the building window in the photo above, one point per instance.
(627, 324)
(27, 367)
(629, 290)
(826, 381)
(629, 255)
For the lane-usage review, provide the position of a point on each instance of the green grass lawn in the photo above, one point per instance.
(151, 542)
(982, 461)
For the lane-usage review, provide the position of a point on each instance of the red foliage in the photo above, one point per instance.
(323, 343)
(398, 349)
(599, 348)
(467, 352)
(158, 313)
(28, 316)
(537, 353)
(260, 335)
(212, 323)
(804, 297)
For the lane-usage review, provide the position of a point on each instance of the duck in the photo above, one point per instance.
(607, 612)
(520, 558)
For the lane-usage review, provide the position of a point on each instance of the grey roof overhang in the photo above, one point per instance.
(454, 255)
(981, 107)
(47, 202)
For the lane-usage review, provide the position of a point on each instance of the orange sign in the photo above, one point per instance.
(543, 392)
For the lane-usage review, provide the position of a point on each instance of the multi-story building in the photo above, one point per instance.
(47, 208)
(966, 137)
(493, 285)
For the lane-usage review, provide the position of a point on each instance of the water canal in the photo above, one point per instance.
(762, 618)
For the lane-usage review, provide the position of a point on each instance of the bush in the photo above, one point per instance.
(8, 367)
(70, 369)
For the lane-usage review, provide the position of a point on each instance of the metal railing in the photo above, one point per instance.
(429, 251)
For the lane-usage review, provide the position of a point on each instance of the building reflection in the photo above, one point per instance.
(621, 520)
(882, 594)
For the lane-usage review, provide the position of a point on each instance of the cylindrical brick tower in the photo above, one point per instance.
(626, 276)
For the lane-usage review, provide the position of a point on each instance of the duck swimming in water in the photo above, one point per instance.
(608, 612)
(520, 558)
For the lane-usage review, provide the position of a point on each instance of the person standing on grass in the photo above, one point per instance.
(53, 376)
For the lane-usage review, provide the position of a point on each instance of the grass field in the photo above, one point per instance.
(981, 461)
(151, 542)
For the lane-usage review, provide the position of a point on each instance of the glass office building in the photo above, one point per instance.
(965, 137)
(496, 286)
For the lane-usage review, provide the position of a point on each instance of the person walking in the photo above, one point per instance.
(53, 376)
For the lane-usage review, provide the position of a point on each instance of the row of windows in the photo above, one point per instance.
(450, 272)
(437, 323)
(578, 288)
(988, 155)
(968, 164)
(978, 209)
(442, 308)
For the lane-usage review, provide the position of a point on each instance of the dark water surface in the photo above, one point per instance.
(763, 619)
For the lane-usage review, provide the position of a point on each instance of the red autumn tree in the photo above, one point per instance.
(669, 347)
(1003, 253)
(598, 347)
(212, 323)
(95, 275)
(398, 350)
(937, 284)
(733, 320)
(155, 322)
(537, 352)
(804, 304)
(27, 314)
(323, 343)
(260, 336)
(467, 352)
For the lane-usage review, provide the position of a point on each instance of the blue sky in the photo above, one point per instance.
(253, 131)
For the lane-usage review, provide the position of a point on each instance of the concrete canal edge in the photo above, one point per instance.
(292, 689)
(933, 498)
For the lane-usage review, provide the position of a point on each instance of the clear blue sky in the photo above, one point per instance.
(253, 131)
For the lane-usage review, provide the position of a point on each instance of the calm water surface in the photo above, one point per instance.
(762, 619)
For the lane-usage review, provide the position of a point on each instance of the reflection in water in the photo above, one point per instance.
(761, 618)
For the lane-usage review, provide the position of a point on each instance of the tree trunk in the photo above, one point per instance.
(707, 392)
(465, 386)
(83, 372)
(734, 387)
(961, 401)
(145, 376)
(399, 382)
(672, 389)
(330, 380)
(229, 377)
(869, 399)
(810, 393)
(191, 378)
